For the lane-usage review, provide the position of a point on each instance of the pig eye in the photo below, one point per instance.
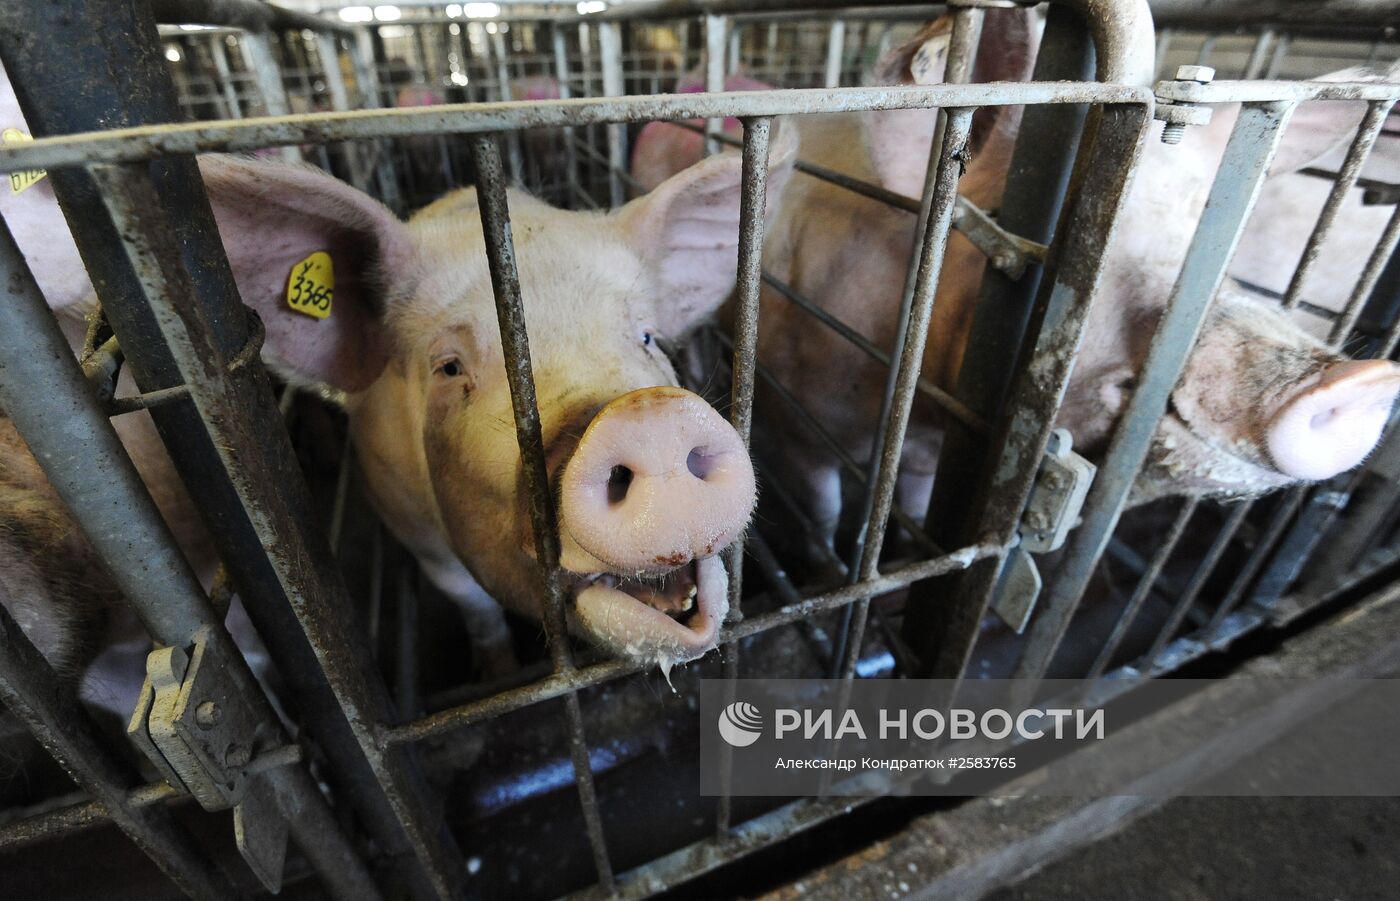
(646, 339)
(450, 367)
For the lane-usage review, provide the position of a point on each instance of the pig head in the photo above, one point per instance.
(651, 482)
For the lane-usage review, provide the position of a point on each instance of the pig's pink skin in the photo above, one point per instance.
(416, 354)
(663, 149)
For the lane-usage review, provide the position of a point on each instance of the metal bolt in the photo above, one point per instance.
(208, 715)
(1173, 132)
(237, 756)
(1199, 74)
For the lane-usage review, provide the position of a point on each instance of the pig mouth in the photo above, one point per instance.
(666, 619)
(1183, 457)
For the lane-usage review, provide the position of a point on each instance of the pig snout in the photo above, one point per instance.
(1332, 424)
(657, 480)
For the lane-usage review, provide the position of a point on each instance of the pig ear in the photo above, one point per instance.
(688, 230)
(272, 217)
(1318, 128)
(899, 140)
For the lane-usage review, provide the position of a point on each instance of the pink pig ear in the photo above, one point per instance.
(271, 217)
(688, 230)
(1318, 128)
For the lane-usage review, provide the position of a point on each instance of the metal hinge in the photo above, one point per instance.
(205, 738)
(1052, 511)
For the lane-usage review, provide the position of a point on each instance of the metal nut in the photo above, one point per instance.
(208, 715)
(1200, 74)
(238, 756)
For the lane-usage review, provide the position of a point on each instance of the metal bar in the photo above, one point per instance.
(133, 144)
(259, 59)
(221, 67)
(32, 691)
(561, 74)
(1242, 171)
(514, 154)
(252, 15)
(1259, 54)
(1266, 91)
(559, 685)
(515, 343)
(406, 656)
(1366, 284)
(89, 469)
(1366, 136)
(1279, 518)
(1203, 572)
(752, 203)
(610, 48)
(1037, 186)
(715, 27)
(1144, 587)
(80, 816)
(835, 52)
(935, 239)
(1231, 13)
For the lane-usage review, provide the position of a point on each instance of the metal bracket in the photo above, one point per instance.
(1052, 511)
(1177, 114)
(202, 735)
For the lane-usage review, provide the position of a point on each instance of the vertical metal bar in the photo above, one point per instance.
(1366, 284)
(1259, 56)
(367, 82)
(962, 56)
(1246, 162)
(1279, 518)
(515, 343)
(1281, 47)
(88, 467)
(1346, 178)
(259, 59)
(219, 53)
(715, 28)
(561, 73)
(406, 652)
(1037, 186)
(836, 51)
(750, 269)
(610, 47)
(515, 156)
(732, 59)
(327, 48)
(1198, 581)
(1144, 587)
(939, 221)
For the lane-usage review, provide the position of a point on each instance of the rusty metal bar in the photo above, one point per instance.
(1360, 149)
(752, 202)
(139, 143)
(1247, 157)
(515, 342)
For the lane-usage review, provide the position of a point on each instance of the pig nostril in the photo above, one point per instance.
(1321, 420)
(700, 464)
(618, 482)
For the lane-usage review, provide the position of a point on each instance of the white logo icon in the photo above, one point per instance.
(740, 724)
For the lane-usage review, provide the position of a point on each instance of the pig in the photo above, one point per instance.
(1261, 404)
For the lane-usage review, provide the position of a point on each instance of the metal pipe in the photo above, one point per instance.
(251, 15)
(561, 74)
(1242, 171)
(259, 59)
(1203, 572)
(835, 52)
(1366, 283)
(715, 27)
(515, 344)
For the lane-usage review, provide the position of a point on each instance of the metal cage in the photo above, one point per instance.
(352, 788)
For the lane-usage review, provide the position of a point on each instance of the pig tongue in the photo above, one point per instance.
(631, 617)
(1333, 424)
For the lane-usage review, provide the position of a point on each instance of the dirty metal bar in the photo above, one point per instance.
(962, 54)
(78, 817)
(514, 153)
(1242, 171)
(948, 402)
(259, 59)
(559, 685)
(715, 28)
(1360, 149)
(34, 693)
(1187, 601)
(1279, 518)
(1366, 284)
(181, 138)
(515, 342)
(752, 203)
(219, 54)
(905, 376)
(1266, 91)
(561, 74)
(1235, 13)
(610, 48)
(88, 467)
(1259, 54)
(129, 84)
(835, 52)
(1037, 185)
(1144, 587)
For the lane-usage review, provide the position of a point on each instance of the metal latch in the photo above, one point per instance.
(204, 737)
(1052, 511)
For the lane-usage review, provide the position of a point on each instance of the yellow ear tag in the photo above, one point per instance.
(311, 285)
(20, 181)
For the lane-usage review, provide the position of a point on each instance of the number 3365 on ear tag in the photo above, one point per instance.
(311, 285)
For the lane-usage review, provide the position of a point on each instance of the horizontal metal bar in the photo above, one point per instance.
(252, 15)
(1275, 91)
(558, 685)
(144, 142)
(1237, 13)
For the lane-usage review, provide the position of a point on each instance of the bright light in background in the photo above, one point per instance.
(591, 6)
(196, 27)
(394, 31)
(458, 79)
(454, 10)
(454, 28)
(491, 28)
(481, 10)
(172, 54)
(357, 14)
(388, 13)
